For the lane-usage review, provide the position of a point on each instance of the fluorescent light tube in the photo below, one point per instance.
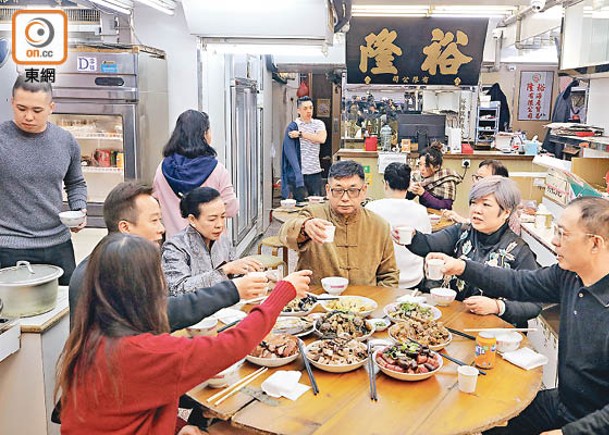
(123, 7)
(166, 7)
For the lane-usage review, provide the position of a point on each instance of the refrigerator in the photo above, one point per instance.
(114, 102)
(243, 160)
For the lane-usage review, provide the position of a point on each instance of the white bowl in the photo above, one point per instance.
(334, 285)
(434, 218)
(508, 341)
(442, 296)
(347, 301)
(392, 307)
(333, 368)
(275, 361)
(288, 203)
(380, 324)
(204, 327)
(226, 377)
(407, 376)
(72, 218)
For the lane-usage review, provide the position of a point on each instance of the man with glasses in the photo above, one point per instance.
(362, 249)
(580, 283)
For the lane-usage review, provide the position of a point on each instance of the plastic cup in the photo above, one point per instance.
(330, 230)
(434, 269)
(405, 234)
(467, 377)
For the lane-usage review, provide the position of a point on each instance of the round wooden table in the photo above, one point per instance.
(432, 406)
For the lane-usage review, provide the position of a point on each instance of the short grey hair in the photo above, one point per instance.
(31, 86)
(504, 190)
(346, 169)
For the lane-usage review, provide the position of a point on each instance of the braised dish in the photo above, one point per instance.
(412, 310)
(355, 304)
(339, 323)
(337, 355)
(298, 326)
(432, 333)
(408, 362)
(300, 306)
(275, 350)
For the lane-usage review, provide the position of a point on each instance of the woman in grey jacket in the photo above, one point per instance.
(487, 239)
(202, 255)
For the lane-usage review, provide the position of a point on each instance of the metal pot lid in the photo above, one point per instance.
(25, 273)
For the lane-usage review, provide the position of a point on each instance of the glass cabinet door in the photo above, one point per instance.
(102, 150)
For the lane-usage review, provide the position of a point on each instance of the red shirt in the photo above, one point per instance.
(153, 371)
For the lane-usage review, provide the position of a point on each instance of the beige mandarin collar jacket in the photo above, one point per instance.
(362, 250)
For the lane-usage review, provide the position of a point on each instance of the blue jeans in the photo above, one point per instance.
(61, 255)
(546, 412)
(313, 184)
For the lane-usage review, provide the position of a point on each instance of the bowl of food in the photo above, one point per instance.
(288, 203)
(338, 355)
(226, 377)
(408, 362)
(334, 285)
(297, 326)
(380, 324)
(300, 306)
(72, 218)
(356, 304)
(400, 311)
(339, 323)
(508, 341)
(206, 326)
(434, 218)
(275, 350)
(442, 296)
(432, 334)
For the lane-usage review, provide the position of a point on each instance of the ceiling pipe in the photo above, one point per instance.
(517, 18)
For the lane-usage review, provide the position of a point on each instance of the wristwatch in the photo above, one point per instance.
(299, 133)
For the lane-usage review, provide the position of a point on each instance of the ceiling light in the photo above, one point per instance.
(389, 10)
(165, 6)
(474, 11)
(120, 6)
(276, 48)
(426, 10)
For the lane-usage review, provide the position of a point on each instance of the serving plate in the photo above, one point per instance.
(436, 347)
(409, 377)
(332, 368)
(346, 301)
(389, 308)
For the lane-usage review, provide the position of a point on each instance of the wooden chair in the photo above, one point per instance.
(271, 262)
(275, 244)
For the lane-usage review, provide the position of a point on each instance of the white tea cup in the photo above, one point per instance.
(434, 269)
(330, 230)
(405, 234)
(467, 377)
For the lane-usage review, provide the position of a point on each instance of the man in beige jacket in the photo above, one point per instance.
(361, 251)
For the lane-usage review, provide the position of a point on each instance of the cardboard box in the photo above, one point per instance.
(591, 169)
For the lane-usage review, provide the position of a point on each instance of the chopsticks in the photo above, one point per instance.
(372, 375)
(234, 389)
(462, 334)
(225, 327)
(308, 367)
(459, 362)
(499, 329)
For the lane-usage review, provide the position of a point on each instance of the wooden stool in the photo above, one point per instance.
(271, 262)
(275, 244)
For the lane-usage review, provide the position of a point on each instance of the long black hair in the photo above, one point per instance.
(188, 137)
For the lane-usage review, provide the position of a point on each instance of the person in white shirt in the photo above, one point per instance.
(397, 210)
(312, 133)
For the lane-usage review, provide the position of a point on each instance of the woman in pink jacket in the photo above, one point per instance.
(190, 162)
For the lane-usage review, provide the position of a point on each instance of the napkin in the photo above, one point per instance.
(229, 315)
(526, 358)
(284, 383)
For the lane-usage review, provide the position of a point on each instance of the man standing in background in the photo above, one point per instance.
(36, 158)
(312, 133)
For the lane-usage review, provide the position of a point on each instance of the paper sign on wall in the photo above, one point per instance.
(535, 96)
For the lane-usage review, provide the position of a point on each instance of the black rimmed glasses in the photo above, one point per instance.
(352, 192)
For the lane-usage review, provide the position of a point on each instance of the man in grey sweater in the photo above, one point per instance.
(36, 158)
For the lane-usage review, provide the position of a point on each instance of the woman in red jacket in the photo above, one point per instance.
(120, 371)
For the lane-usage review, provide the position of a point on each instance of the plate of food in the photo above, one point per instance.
(408, 361)
(296, 326)
(339, 323)
(411, 310)
(300, 306)
(360, 305)
(274, 351)
(431, 333)
(338, 355)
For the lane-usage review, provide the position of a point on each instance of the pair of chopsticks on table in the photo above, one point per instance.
(312, 380)
(237, 386)
(372, 375)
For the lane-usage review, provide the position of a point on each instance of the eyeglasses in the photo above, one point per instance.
(352, 192)
(476, 178)
(560, 234)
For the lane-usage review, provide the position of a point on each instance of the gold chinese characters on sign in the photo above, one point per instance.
(382, 49)
(444, 52)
